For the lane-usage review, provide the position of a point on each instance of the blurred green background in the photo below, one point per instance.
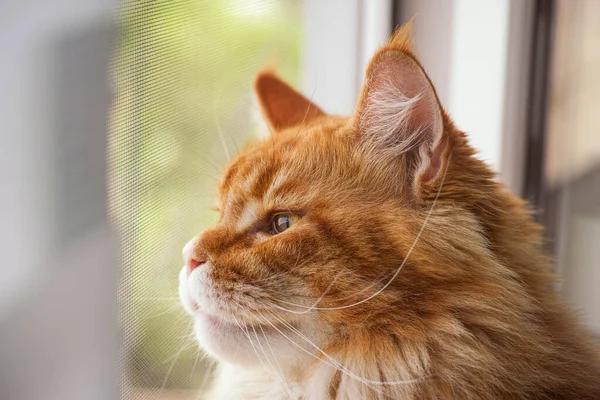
(182, 71)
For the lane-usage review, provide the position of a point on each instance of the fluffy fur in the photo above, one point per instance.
(413, 273)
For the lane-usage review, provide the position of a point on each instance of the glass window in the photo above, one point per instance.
(572, 154)
(184, 104)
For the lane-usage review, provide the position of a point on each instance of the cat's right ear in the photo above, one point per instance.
(282, 106)
(398, 115)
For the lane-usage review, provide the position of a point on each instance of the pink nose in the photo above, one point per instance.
(197, 261)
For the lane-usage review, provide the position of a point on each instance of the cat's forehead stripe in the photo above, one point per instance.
(248, 216)
(276, 183)
(253, 176)
(250, 177)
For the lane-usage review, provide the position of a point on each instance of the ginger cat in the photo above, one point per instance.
(374, 257)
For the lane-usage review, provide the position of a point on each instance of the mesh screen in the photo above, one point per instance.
(182, 75)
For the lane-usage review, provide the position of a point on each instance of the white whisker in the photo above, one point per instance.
(205, 379)
(250, 341)
(195, 363)
(276, 362)
(174, 307)
(155, 298)
(341, 367)
(333, 362)
(280, 376)
(221, 136)
(397, 272)
(170, 369)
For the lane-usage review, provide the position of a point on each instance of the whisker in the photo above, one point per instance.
(292, 341)
(174, 307)
(276, 362)
(310, 104)
(250, 341)
(279, 275)
(265, 121)
(155, 299)
(323, 294)
(187, 336)
(220, 132)
(209, 161)
(170, 369)
(195, 363)
(280, 376)
(304, 306)
(209, 371)
(262, 349)
(342, 368)
(397, 272)
(333, 363)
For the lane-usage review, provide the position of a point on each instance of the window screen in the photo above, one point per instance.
(183, 105)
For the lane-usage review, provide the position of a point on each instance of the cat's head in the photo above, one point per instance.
(337, 225)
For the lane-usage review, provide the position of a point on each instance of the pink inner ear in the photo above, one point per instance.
(435, 163)
(401, 112)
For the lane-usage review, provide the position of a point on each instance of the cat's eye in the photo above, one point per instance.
(283, 221)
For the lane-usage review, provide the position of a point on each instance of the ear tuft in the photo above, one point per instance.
(401, 40)
(282, 106)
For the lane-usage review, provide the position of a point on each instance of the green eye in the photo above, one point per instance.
(283, 221)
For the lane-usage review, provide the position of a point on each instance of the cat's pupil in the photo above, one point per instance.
(283, 223)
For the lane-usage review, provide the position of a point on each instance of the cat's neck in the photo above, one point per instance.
(359, 366)
(341, 376)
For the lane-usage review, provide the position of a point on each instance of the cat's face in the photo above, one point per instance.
(303, 223)
(316, 222)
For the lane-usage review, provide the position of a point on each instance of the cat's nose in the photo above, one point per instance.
(193, 255)
(197, 260)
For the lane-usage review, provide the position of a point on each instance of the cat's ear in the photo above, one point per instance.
(398, 114)
(282, 106)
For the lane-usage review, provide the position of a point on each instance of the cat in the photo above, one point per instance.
(375, 257)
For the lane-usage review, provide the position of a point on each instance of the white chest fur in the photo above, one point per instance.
(235, 383)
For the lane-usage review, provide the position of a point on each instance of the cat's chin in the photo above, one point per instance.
(250, 345)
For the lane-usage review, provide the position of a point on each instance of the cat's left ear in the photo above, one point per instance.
(398, 114)
(282, 106)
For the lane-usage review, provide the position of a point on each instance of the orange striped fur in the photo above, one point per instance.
(471, 313)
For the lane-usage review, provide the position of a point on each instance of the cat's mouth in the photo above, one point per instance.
(234, 332)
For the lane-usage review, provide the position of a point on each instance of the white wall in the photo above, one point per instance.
(340, 37)
(331, 54)
(476, 54)
(478, 73)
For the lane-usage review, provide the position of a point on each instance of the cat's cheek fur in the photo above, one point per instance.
(221, 346)
(254, 347)
(227, 343)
